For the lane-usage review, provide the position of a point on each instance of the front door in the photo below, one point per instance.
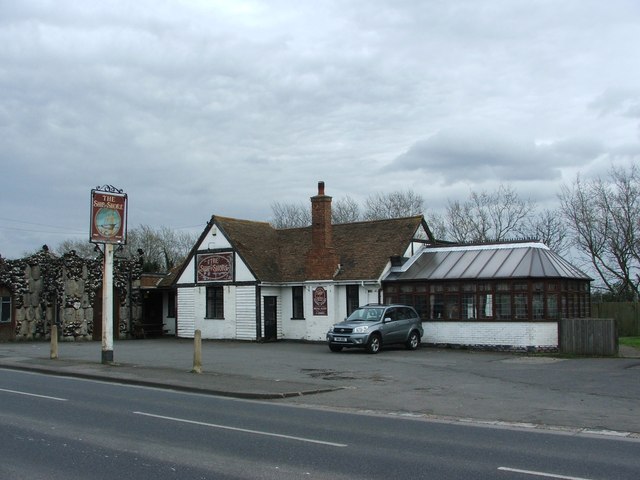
(270, 319)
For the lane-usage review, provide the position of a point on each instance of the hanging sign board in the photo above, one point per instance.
(108, 215)
(320, 301)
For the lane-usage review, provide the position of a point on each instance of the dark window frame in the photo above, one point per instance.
(297, 303)
(215, 302)
(532, 299)
(172, 304)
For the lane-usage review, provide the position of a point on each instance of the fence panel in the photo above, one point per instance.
(588, 336)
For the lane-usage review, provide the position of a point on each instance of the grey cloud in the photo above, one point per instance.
(476, 155)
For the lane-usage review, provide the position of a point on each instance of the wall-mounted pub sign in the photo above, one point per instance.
(214, 267)
(320, 301)
(108, 215)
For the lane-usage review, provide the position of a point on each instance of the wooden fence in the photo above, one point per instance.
(626, 315)
(588, 336)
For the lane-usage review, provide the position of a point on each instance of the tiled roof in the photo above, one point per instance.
(490, 261)
(278, 255)
(149, 281)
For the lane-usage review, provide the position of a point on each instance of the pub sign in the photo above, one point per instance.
(320, 301)
(214, 267)
(108, 215)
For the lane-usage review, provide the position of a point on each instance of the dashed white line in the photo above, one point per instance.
(541, 474)
(33, 395)
(244, 430)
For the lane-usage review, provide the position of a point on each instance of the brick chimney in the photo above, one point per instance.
(322, 260)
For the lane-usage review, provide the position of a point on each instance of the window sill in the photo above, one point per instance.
(295, 318)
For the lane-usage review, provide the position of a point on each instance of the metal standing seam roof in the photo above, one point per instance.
(476, 262)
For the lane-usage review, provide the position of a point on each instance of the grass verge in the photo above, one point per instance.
(630, 341)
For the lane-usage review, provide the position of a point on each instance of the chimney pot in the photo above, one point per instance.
(320, 188)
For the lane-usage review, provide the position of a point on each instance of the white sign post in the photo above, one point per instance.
(107, 305)
(109, 227)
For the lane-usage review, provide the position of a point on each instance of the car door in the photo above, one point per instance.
(405, 322)
(391, 325)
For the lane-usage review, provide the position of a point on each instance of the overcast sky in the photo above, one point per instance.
(201, 107)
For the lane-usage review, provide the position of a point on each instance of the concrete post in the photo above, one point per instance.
(54, 341)
(197, 352)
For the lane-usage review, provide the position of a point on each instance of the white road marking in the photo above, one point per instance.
(541, 474)
(235, 429)
(33, 395)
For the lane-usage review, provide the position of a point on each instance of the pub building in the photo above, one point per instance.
(245, 280)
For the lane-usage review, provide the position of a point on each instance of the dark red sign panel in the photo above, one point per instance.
(214, 267)
(320, 301)
(108, 217)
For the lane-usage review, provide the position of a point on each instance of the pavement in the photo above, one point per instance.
(592, 395)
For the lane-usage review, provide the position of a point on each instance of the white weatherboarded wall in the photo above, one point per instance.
(245, 313)
(514, 334)
(186, 312)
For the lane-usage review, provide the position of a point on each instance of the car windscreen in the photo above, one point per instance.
(366, 315)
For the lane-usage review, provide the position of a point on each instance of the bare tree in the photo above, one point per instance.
(393, 205)
(290, 215)
(551, 229)
(83, 248)
(437, 225)
(345, 210)
(604, 218)
(488, 217)
(163, 248)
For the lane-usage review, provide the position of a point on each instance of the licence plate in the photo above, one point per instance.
(339, 339)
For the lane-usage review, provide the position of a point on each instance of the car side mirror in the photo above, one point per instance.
(388, 319)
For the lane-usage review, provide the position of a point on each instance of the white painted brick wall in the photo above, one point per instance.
(516, 334)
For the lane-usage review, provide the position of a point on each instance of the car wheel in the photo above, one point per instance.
(335, 348)
(413, 341)
(374, 343)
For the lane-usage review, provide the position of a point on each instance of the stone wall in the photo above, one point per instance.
(46, 288)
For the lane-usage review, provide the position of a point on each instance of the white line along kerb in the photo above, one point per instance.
(541, 474)
(33, 395)
(244, 430)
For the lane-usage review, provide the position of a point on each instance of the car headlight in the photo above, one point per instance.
(361, 329)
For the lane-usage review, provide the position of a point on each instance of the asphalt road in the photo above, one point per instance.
(541, 391)
(58, 427)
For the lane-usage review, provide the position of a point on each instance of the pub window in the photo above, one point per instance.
(171, 305)
(537, 304)
(453, 308)
(297, 294)
(215, 302)
(520, 306)
(5, 309)
(437, 305)
(353, 298)
(485, 306)
(421, 304)
(468, 306)
(405, 299)
(503, 306)
(552, 306)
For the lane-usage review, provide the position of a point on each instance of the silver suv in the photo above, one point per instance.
(372, 326)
